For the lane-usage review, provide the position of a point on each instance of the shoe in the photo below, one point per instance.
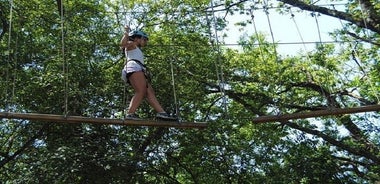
(165, 116)
(133, 116)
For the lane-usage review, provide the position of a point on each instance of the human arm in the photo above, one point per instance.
(125, 43)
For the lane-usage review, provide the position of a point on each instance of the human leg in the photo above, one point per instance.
(152, 100)
(139, 84)
(143, 89)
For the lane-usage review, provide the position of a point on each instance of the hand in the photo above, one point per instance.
(126, 29)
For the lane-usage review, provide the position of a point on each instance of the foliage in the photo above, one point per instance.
(71, 65)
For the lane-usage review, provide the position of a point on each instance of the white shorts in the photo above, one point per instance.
(129, 68)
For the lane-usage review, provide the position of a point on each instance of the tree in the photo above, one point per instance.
(51, 58)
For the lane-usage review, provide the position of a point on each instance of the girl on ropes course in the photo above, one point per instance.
(135, 73)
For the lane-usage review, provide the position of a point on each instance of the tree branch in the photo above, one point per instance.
(24, 147)
(334, 142)
(4, 23)
(369, 24)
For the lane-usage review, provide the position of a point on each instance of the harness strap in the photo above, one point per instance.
(139, 62)
(145, 70)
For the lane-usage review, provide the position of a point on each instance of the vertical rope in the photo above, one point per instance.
(364, 15)
(9, 57)
(304, 45)
(270, 27)
(65, 64)
(299, 32)
(355, 54)
(257, 34)
(125, 89)
(313, 14)
(174, 90)
(220, 75)
(318, 28)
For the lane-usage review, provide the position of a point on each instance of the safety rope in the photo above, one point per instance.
(125, 89)
(299, 32)
(65, 64)
(266, 8)
(313, 14)
(257, 34)
(216, 46)
(7, 105)
(355, 54)
(304, 45)
(174, 89)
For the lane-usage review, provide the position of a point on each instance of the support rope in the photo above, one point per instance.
(364, 15)
(304, 45)
(299, 32)
(219, 70)
(266, 8)
(7, 105)
(313, 14)
(65, 64)
(355, 56)
(257, 34)
(177, 112)
(125, 89)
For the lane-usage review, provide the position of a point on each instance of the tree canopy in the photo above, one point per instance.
(63, 57)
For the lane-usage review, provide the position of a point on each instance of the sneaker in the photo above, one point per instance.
(165, 116)
(133, 116)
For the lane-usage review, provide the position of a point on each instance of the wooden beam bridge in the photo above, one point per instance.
(106, 121)
(154, 123)
(327, 112)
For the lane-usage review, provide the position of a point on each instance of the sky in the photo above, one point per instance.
(287, 31)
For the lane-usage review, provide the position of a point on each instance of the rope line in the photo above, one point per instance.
(298, 31)
(125, 89)
(270, 26)
(7, 106)
(307, 54)
(65, 64)
(363, 16)
(220, 74)
(329, 87)
(174, 90)
(355, 55)
(318, 28)
(257, 35)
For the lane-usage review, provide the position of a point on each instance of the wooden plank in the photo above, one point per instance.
(80, 119)
(328, 112)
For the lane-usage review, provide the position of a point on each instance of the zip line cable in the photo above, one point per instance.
(266, 10)
(363, 16)
(261, 51)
